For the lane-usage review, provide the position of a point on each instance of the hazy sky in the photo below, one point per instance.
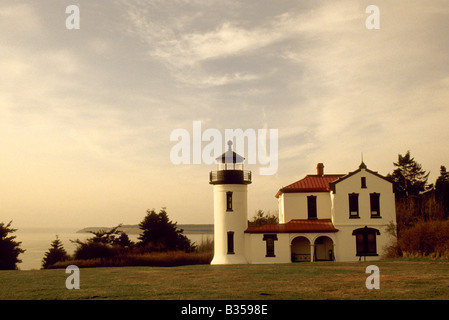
(86, 115)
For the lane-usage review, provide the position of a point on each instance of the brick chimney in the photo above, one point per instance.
(320, 169)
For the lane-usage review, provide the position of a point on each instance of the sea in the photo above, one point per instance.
(37, 241)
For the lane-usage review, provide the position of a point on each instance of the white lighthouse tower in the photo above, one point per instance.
(230, 183)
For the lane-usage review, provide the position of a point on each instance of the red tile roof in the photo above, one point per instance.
(310, 183)
(295, 226)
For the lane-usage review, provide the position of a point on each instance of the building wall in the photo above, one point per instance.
(374, 184)
(336, 207)
(281, 214)
(251, 248)
(256, 249)
(256, 246)
(294, 206)
(346, 243)
(345, 248)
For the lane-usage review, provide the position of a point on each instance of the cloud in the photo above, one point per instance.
(96, 107)
(224, 41)
(186, 45)
(353, 87)
(20, 20)
(364, 87)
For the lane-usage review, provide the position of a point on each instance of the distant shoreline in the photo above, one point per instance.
(134, 229)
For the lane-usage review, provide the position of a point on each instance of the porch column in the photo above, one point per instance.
(333, 248)
(312, 251)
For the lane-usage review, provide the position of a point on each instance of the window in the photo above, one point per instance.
(230, 242)
(363, 182)
(353, 205)
(366, 241)
(311, 207)
(375, 205)
(269, 239)
(229, 201)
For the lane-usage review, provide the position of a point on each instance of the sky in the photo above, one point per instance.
(86, 114)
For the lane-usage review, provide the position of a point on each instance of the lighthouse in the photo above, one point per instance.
(230, 183)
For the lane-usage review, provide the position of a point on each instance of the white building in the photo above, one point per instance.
(334, 217)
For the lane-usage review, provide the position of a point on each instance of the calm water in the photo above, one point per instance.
(38, 241)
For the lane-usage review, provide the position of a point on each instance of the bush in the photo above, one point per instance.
(261, 219)
(161, 244)
(425, 238)
(154, 259)
(93, 250)
(206, 245)
(103, 245)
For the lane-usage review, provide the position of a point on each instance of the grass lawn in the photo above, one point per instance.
(399, 279)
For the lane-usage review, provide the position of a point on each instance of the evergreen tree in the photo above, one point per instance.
(408, 178)
(262, 219)
(123, 240)
(104, 244)
(9, 249)
(111, 237)
(159, 233)
(54, 254)
(442, 190)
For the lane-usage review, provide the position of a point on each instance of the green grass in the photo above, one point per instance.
(399, 279)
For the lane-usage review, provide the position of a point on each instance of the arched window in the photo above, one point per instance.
(366, 241)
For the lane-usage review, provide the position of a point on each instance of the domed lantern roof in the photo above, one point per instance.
(230, 156)
(230, 169)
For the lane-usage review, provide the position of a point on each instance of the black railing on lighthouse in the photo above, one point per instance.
(230, 177)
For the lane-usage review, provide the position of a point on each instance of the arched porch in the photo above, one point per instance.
(300, 249)
(324, 249)
(304, 249)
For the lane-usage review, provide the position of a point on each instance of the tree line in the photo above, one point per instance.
(417, 199)
(422, 211)
(158, 234)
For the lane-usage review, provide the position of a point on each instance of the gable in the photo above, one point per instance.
(362, 169)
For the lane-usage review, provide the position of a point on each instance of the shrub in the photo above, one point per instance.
(206, 245)
(154, 259)
(91, 250)
(426, 238)
(103, 245)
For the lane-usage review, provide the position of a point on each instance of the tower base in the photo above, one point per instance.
(228, 259)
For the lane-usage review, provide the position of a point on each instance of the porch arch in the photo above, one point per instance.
(300, 249)
(324, 249)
